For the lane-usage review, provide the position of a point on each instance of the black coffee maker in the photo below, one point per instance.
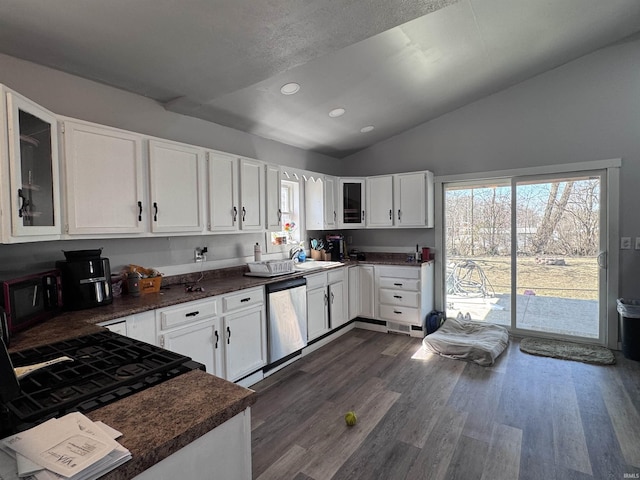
(86, 279)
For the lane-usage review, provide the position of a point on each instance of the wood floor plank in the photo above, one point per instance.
(392, 459)
(503, 459)
(469, 459)
(434, 460)
(568, 434)
(340, 441)
(624, 417)
(287, 466)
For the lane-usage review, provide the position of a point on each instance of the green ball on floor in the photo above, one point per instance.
(350, 418)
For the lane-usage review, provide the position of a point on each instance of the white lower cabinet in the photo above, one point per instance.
(200, 341)
(327, 302)
(317, 305)
(193, 329)
(141, 326)
(220, 454)
(361, 291)
(245, 333)
(405, 295)
(231, 341)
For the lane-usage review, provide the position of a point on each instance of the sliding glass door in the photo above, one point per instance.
(524, 252)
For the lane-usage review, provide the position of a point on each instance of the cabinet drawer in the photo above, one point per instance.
(334, 276)
(400, 314)
(400, 298)
(398, 272)
(187, 313)
(317, 280)
(242, 299)
(405, 284)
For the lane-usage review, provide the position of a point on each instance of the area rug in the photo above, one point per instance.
(578, 352)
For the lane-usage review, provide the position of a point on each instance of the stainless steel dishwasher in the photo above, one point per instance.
(287, 317)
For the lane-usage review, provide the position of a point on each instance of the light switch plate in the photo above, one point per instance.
(625, 243)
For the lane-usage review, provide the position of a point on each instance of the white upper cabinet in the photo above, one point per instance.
(413, 199)
(320, 203)
(236, 193)
(274, 211)
(176, 199)
(223, 192)
(252, 195)
(30, 183)
(380, 201)
(103, 172)
(351, 207)
(330, 203)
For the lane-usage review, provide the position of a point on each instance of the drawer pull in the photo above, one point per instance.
(398, 284)
(397, 296)
(245, 299)
(192, 314)
(397, 311)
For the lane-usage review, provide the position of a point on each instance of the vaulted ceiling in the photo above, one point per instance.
(390, 64)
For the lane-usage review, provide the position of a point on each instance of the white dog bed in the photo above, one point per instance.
(476, 342)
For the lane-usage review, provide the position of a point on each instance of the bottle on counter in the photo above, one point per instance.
(257, 252)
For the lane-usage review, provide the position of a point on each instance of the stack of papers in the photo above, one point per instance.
(72, 447)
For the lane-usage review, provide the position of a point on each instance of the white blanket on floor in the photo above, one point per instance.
(476, 342)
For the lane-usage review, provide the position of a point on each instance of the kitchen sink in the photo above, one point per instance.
(315, 265)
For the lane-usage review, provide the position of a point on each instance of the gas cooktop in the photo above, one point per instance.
(106, 367)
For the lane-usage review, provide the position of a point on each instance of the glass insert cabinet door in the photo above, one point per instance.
(352, 202)
(33, 164)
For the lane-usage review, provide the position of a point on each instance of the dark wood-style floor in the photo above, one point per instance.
(421, 416)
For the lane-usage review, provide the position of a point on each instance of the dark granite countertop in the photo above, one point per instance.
(163, 419)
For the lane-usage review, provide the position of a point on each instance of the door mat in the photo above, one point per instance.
(578, 352)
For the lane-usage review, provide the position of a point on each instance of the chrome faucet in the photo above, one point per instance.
(293, 253)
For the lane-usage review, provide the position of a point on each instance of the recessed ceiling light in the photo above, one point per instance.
(366, 129)
(337, 112)
(290, 88)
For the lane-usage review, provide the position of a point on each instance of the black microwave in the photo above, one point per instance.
(29, 298)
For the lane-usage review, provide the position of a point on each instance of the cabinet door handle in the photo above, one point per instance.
(398, 214)
(279, 216)
(363, 215)
(235, 214)
(332, 298)
(335, 216)
(228, 335)
(398, 284)
(244, 213)
(397, 296)
(245, 299)
(215, 332)
(192, 314)
(162, 340)
(155, 211)
(139, 211)
(326, 299)
(397, 311)
(390, 214)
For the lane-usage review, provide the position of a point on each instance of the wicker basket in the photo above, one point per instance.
(147, 284)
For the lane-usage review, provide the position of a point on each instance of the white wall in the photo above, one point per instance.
(586, 110)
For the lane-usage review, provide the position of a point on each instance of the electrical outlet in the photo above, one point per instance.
(637, 243)
(200, 254)
(625, 243)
